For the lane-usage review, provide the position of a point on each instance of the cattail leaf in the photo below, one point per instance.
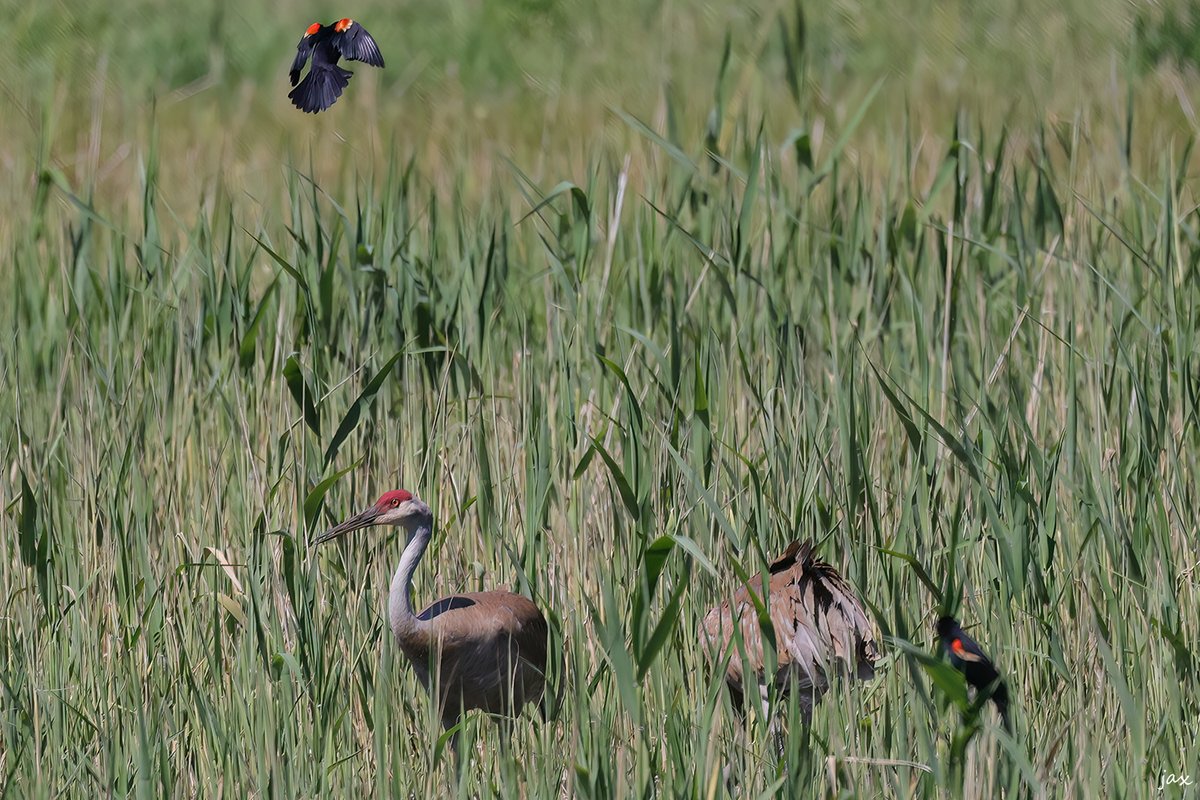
(302, 394)
(312, 503)
(354, 413)
(628, 498)
(29, 543)
(281, 261)
(667, 623)
(249, 343)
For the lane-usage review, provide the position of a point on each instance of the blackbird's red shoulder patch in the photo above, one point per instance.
(962, 652)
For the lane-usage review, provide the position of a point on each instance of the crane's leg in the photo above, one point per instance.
(739, 702)
(505, 724)
(510, 764)
(776, 731)
(731, 773)
(451, 725)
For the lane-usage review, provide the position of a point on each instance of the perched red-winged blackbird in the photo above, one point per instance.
(326, 44)
(968, 658)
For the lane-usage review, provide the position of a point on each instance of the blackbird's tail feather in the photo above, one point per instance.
(320, 88)
(1000, 699)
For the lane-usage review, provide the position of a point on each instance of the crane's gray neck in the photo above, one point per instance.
(400, 610)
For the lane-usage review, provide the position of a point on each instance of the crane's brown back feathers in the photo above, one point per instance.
(487, 651)
(818, 624)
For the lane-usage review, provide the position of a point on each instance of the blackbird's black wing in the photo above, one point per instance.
(957, 645)
(355, 44)
(966, 649)
(968, 658)
(303, 51)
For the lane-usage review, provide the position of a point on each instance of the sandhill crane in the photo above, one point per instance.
(819, 624)
(475, 650)
(968, 657)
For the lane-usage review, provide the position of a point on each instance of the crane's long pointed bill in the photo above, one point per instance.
(362, 520)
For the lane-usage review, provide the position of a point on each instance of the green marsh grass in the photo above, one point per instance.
(628, 322)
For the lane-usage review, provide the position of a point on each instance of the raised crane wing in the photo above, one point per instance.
(355, 44)
(816, 618)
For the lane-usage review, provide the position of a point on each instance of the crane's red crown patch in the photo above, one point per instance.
(394, 498)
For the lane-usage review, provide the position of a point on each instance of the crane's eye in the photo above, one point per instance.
(395, 502)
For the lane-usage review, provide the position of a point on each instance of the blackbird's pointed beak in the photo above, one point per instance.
(357, 522)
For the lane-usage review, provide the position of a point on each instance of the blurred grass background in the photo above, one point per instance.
(601, 282)
(489, 80)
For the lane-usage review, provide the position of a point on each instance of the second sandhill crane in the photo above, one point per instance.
(820, 628)
(474, 650)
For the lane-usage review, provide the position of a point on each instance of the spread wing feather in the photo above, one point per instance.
(356, 44)
(303, 51)
(817, 619)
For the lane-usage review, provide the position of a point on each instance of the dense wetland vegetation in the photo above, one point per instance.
(631, 294)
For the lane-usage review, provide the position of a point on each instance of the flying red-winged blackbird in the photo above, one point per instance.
(968, 658)
(326, 44)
